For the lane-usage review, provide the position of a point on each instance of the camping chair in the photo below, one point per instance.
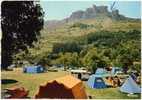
(17, 92)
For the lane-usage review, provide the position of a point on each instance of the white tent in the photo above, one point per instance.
(129, 86)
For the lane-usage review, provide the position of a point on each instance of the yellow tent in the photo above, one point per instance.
(64, 87)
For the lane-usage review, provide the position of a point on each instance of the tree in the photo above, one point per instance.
(126, 61)
(93, 59)
(66, 47)
(128, 53)
(21, 22)
(68, 59)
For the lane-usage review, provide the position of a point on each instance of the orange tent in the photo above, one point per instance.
(64, 87)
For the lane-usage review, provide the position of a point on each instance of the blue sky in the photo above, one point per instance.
(56, 10)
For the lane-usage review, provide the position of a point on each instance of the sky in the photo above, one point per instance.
(57, 10)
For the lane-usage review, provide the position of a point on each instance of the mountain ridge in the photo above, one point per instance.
(94, 12)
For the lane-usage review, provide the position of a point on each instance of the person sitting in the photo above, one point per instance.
(116, 81)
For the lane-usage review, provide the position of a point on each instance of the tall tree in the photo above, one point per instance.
(21, 22)
(94, 59)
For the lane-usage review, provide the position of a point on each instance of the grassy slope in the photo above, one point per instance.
(32, 82)
(65, 33)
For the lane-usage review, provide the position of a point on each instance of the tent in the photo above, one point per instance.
(96, 81)
(129, 86)
(115, 70)
(102, 72)
(66, 87)
(133, 77)
(33, 69)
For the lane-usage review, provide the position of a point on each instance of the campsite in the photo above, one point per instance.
(34, 81)
(84, 50)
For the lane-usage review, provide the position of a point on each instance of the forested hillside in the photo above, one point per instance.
(88, 44)
(91, 38)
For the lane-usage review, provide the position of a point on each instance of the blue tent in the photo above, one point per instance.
(130, 86)
(133, 76)
(100, 71)
(96, 81)
(115, 69)
(33, 69)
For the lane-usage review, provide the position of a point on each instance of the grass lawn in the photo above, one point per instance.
(32, 82)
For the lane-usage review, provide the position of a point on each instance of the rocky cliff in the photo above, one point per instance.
(94, 12)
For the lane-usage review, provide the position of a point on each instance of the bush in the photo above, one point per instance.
(81, 25)
(66, 47)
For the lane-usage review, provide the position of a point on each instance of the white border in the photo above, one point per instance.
(69, 1)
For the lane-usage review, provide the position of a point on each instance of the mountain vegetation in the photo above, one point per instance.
(90, 40)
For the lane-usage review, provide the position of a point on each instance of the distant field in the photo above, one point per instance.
(32, 82)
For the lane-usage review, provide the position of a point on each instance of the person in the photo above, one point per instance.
(79, 75)
(116, 81)
(119, 83)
